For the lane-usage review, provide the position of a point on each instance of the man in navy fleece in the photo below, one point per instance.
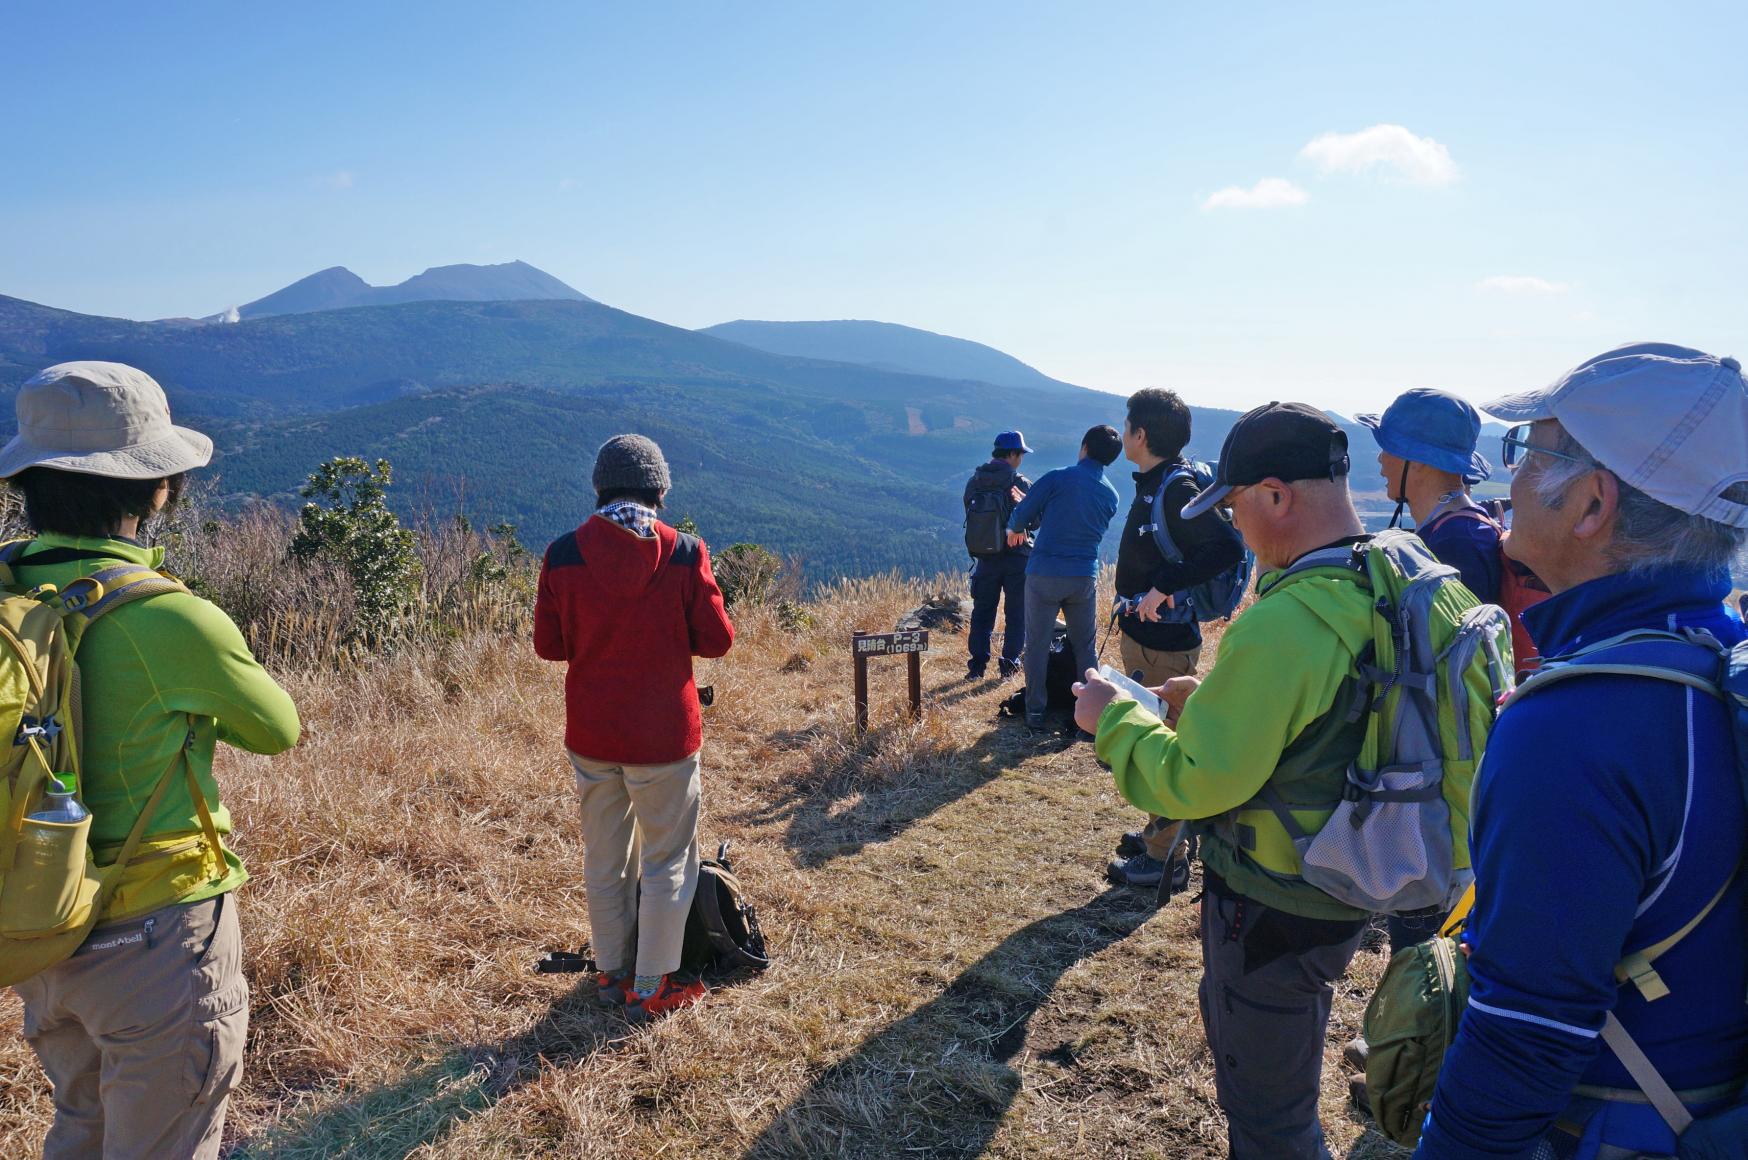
(1607, 812)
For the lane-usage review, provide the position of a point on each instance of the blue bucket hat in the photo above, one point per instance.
(1012, 441)
(1432, 427)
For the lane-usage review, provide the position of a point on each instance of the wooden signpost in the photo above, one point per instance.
(910, 645)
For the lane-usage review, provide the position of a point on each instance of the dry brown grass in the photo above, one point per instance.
(952, 976)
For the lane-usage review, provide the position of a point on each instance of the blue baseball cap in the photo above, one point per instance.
(1432, 427)
(1012, 441)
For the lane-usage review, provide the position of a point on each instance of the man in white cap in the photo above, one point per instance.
(141, 1031)
(1608, 817)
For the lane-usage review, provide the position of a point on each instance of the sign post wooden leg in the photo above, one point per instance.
(916, 686)
(861, 692)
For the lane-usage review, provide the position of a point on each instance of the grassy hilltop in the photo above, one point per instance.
(952, 977)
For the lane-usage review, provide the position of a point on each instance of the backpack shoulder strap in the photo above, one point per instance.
(1350, 559)
(1691, 659)
(123, 584)
(1636, 967)
(1159, 529)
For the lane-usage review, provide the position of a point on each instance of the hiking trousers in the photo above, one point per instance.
(1267, 983)
(998, 579)
(1156, 667)
(141, 1033)
(640, 860)
(1075, 597)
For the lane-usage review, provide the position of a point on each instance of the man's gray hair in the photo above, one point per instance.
(1649, 534)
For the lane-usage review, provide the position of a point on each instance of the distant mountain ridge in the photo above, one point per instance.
(856, 468)
(890, 347)
(337, 288)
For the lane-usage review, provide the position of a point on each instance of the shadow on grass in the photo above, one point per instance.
(393, 1119)
(818, 831)
(938, 1082)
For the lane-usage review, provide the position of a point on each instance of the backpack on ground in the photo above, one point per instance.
(987, 510)
(52, 891)
(1519, 588)
(1427, 686)
(722, 929)
(1413, 1016)
(1217, 597)
(1059, 681)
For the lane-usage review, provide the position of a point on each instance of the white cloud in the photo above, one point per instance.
(1521, 284)
(339, 179)
(1418, 160)
(1269, 193)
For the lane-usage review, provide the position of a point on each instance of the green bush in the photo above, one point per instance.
(348, 524)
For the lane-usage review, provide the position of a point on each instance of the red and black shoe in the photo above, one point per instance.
(669, 997)
(613, 990)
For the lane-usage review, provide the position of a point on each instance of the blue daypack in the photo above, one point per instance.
(1213, 599)
(1699, 660)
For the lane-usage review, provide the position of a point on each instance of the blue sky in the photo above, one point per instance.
(1046, 178)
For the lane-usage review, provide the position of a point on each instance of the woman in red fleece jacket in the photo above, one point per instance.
(627, 602)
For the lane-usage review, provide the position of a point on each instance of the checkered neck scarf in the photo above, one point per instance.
(631, 516)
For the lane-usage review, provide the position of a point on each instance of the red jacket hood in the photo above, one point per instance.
(621, 561)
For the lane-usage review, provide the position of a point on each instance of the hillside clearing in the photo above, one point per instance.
(953, 977)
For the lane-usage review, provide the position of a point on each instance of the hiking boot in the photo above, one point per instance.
(1139, 870)
(1131, 844)
(1036, 723)
(1354, 1054)
(1008, 669)
(974, 669)
(668, 998)
(612, 990)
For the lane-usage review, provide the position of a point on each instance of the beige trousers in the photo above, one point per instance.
(141, 1033)
(640, 860)
(1156, 668)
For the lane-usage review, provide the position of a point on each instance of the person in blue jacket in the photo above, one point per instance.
(1608, 810)
(1071, 507)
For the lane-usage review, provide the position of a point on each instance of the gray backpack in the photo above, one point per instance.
(1428, 685)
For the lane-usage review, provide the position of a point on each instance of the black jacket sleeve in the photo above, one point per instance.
(1208, 548)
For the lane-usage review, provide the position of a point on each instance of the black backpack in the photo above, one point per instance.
(1059, 681)
(986, 518)
(722, 930)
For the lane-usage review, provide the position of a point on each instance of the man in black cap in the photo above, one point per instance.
(1269, 719)
(998, 571)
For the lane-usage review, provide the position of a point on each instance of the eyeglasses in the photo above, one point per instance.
(1515, 445)
(1224, 507)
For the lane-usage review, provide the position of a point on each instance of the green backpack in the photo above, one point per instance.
(52, 892)
(1427, 687)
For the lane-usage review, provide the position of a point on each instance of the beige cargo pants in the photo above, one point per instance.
(141, 1033)
(1156, 668)
(640, 860)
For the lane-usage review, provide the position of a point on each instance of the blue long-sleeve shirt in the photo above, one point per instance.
(1071, 507)
(1607, 812)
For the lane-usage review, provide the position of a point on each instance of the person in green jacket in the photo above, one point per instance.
(1270, 712)
(141, 1031)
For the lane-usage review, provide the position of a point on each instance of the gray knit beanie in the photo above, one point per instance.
(630, 461)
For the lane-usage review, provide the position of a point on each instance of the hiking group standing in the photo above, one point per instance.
(1607, 945)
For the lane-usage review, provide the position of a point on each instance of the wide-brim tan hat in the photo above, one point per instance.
(100, 418)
